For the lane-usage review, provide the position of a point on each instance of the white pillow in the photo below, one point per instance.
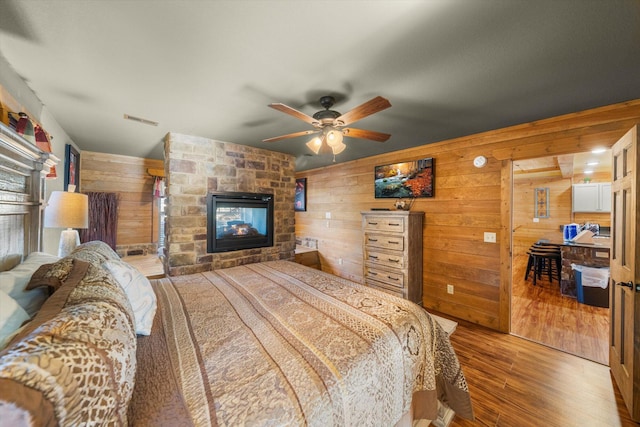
(14, 281)
(138, 290)
(12, 316)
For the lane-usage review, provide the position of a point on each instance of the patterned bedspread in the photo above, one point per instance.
(278, 343)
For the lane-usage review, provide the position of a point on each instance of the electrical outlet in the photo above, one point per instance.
(450, 289)
(327, 215)
(536, 219)
(339, 261)
(490, 237)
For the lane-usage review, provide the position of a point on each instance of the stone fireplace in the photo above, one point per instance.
(197, 167)
(239, 221)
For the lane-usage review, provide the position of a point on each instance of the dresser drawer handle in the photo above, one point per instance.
(373, 257)
(373, 273)
(394, 260)
(391, 242)
(393, 278)
(373, 240)
(373, 223)
(395, 225)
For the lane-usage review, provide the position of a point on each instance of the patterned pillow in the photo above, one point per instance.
(76, 357)
(95, 252)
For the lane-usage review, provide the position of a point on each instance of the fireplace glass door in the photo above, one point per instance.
(239, 221)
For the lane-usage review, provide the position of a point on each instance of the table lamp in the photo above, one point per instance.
(69, 210)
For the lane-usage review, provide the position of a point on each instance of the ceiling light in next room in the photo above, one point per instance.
(599, 150)
(588, 172)
(140, 120)
(592, 163)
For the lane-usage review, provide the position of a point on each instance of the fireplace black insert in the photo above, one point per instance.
(239, 221)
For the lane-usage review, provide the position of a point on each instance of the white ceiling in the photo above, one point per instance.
(209, 68)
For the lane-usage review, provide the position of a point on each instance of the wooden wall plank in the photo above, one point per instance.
(129, 178)
(468, 202)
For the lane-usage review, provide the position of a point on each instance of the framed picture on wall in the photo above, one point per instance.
(405, 180)
(541, 202)
(71, 168)
(300, 201)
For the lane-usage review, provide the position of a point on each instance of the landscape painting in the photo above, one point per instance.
(405, 180)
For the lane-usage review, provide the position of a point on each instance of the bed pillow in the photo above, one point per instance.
(14, 282)
(12, 316)
(74, 363)
(138, 290)
(95, 252)
(7, 262)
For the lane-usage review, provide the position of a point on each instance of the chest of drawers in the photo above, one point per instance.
(392, 251)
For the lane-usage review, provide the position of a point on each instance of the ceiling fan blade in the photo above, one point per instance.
(366, 134)
(290, 135)
(361, 111)
(293, 112)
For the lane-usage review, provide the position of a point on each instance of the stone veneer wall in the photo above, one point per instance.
(592, 256)
(196, 166)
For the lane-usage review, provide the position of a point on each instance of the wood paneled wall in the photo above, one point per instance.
(468, 202)
(525, 231)
(128, 177)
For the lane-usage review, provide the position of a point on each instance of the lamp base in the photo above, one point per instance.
(69, 239)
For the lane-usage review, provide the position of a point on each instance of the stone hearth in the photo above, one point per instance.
(194, 167)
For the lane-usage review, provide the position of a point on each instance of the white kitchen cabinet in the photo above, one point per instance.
(592, 197)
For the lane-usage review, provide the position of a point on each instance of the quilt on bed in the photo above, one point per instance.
(278, 343)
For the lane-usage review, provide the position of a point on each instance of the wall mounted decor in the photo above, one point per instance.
(405, 180)
(300, 204)
(541, 202)
(71, 167)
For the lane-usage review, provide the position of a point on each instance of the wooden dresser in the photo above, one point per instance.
(392, 251)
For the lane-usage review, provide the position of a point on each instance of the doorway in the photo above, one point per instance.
(542, 313)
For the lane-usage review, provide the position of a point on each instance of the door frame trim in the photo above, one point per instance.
(506, 241)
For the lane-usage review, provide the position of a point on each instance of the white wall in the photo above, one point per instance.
(11, 82)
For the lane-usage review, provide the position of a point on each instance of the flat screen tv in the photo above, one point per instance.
(405, 180)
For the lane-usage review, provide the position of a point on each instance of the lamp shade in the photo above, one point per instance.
(338, 148)
(315, 144)
(333, 137)
(67, 210)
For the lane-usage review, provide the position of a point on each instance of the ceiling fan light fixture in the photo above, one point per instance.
(338, 148)
(330, 124)
(333, 137)
(315, 144)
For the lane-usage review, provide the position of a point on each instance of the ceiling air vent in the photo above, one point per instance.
(140, 120)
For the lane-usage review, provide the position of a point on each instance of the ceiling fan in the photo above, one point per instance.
(331, 124)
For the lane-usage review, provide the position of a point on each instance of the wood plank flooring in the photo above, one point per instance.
(519, 383)
(542, 314)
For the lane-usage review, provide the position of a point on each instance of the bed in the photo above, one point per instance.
(273, 343)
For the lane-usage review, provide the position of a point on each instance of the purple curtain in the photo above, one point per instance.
(103, 219)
